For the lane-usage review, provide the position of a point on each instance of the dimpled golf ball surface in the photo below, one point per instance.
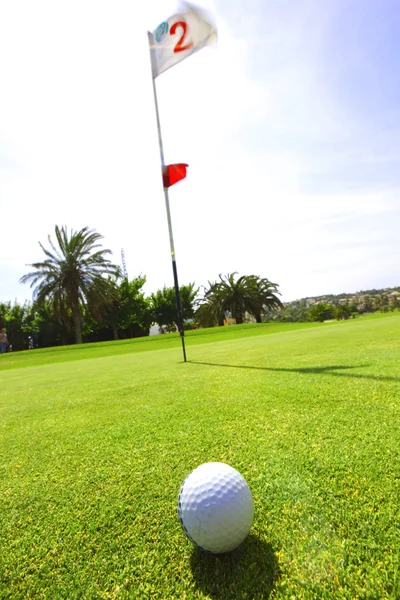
(215, 507)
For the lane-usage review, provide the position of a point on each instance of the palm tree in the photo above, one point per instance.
(209, 312)
(248, 293)
(217, 301)
(72, 275)
(228, 295)
(265, 297)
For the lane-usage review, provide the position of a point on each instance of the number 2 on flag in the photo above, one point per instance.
(180, 46)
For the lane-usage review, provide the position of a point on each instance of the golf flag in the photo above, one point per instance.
(173, 173)
(178, 37)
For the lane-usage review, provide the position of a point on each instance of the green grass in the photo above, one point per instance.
(172, 340)
(95, 442)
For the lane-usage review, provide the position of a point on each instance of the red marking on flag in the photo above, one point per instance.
(181, 46)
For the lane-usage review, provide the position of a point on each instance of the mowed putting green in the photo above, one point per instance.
(95, 442)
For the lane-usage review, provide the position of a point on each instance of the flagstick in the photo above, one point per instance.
(171, 238)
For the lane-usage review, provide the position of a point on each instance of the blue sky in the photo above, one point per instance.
(291, 128)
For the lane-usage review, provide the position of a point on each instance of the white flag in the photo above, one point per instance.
(179, 37)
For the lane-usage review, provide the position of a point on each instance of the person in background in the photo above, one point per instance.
(3, 341)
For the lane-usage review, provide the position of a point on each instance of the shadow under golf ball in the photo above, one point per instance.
(251, 569)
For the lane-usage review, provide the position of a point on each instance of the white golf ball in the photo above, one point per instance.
(215, 507)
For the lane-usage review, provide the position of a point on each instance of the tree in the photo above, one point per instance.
(4, 314)
(18, 326)
(343, 312)
(383, 304)
(394, 301)
(16, 320)
(321, 312)
(188, 295)
(366, 303)
(206, 316)
(211, 311)
(127, 313)
(46, 329)
(265, 297)
(131, 311)
(229, 295)
(292, 312)
(248, 293)
(72, 275)
(163, 304)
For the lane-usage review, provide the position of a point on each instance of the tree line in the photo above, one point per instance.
(79, 295)
(129, 314)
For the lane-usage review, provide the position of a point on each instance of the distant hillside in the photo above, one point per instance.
(362, 299)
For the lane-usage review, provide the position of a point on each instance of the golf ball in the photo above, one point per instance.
(215, 507)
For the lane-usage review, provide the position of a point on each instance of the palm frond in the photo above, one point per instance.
(73, 272)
